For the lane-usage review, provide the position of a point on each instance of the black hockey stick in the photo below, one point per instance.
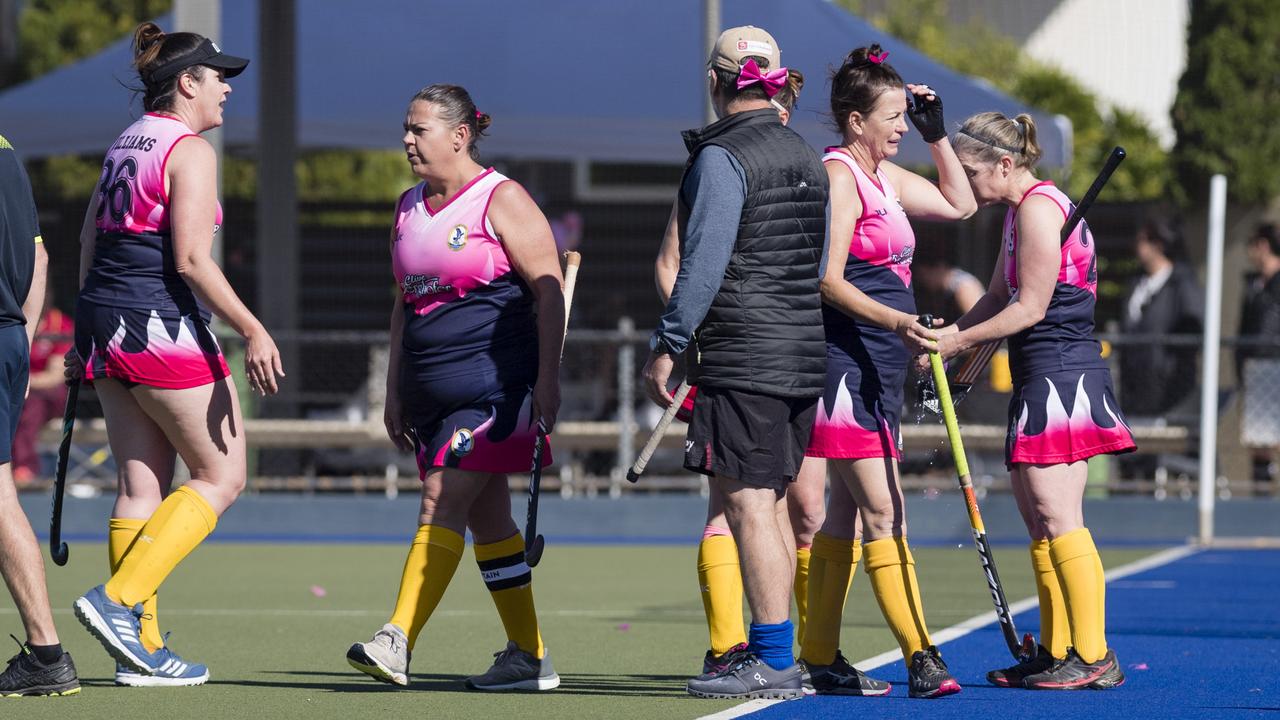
(57, 548)
(533, 542)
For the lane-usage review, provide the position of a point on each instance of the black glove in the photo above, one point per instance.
(926, 115)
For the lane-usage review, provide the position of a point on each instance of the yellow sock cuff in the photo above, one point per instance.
(441, 537)
(837, 549)
(717, 551)
(500, 549)
(1040, 560)
(134, 524)
(1077, 543)
(200, 504)
(885, 552)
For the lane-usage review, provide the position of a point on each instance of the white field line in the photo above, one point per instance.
(974, 623)
(281, 612)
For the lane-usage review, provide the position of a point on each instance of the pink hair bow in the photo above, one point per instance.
(878, 58)
(772, 80)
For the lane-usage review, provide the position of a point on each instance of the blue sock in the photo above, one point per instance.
(773, 643)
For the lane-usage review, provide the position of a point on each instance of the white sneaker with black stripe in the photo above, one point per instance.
(169, 671)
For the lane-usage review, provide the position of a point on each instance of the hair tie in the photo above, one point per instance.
(877, 58)
(988, 141)
(479, 114)
(772, 81)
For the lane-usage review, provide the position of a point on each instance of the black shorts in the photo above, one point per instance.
(755, 439)
(15, 364)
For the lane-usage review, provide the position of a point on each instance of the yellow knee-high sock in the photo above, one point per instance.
(1055, 629)
(830, 575)
(720, 580)
(181, 522)
(433, 558)
(893, 580)
(510, 583)
(1085, 591)
(801, 588)
(121, 532)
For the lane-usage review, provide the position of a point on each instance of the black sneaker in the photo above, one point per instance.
(927, 676)
(1014, 675)
(749, 677)
(27, 676)
(1073, 673)
(713, 664)
(841, 678)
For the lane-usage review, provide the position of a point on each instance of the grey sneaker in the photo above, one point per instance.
(385, 657)
(515, 669)
(841, 678)
(750, 677)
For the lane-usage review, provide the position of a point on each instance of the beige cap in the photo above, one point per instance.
(741, 42)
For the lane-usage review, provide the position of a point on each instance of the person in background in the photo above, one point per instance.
(952, 290)
(1164, 300)
(48, 393)
(1260, 321)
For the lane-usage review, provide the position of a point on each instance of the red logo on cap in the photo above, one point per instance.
(742, 45)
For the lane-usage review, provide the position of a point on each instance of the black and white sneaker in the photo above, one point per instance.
(26, 675)
(749, 677)
(841, 678)
(1012, 676)
(1073, 673)
(927, 676)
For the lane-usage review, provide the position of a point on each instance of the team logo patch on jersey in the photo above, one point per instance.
(458, 238)
(462, 443)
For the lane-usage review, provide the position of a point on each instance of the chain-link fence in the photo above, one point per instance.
(324, 432)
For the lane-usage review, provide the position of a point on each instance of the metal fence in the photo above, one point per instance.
(324, 433)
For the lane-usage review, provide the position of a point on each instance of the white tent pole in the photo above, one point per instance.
(1211, 351)
(711, 26)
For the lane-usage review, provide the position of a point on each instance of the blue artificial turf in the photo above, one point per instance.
(1198, 638)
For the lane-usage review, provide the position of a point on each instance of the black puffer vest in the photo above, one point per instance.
(764, 333)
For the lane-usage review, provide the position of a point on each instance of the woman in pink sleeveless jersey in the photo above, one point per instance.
(475, 358)
(148, 287)
(1063, 411)
(870, 320)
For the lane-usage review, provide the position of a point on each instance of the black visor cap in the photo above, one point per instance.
(206, 53)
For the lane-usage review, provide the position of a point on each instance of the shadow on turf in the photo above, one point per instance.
(593, 685)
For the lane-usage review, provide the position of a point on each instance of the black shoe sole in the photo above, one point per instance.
(59, 690)
(361, 661)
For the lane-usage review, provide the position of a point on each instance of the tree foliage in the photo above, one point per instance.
(977, 50)
(1229, 99)
(52, 33)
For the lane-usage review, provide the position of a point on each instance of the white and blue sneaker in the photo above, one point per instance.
(116, 627)
(168, 670)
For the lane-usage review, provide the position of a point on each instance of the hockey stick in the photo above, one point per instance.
(659, 430)
(533, 542)
(1025, 649)
(57, 548)
(965, 378)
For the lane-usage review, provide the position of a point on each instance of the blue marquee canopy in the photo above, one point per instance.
(612, 80)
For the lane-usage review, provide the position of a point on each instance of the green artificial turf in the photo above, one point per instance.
(623, 624)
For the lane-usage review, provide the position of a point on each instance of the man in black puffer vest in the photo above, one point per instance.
(752, 226)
